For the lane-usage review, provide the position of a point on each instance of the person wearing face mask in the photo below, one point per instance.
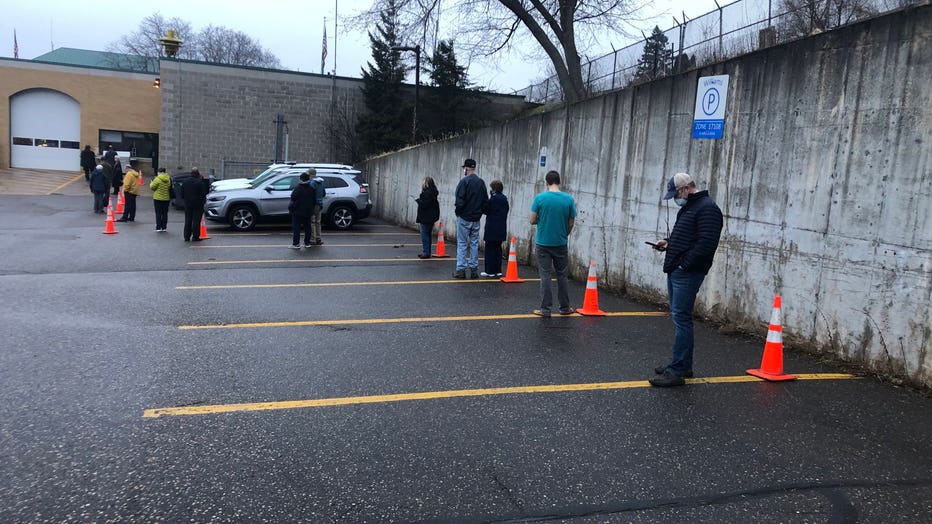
(689, 253)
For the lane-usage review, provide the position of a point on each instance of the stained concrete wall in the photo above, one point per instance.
(823, 176)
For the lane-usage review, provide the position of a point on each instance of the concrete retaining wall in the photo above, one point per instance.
(823, 176)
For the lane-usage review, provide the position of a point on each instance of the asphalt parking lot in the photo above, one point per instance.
(235, 380)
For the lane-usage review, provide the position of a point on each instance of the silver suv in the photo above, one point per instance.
(345, 202)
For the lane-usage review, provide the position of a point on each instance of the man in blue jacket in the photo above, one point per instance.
(471, 197)
(689, 253)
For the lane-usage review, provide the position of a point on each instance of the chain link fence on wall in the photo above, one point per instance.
(732, 30)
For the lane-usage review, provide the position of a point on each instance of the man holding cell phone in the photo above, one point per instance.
(689, 250)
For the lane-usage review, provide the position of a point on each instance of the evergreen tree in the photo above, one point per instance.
(448, 106)
(657, 58)
(385, 126)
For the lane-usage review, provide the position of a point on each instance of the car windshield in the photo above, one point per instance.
(259, 179)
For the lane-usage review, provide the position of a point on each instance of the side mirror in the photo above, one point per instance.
(268, 189)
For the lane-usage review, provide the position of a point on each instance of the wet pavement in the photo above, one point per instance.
(235, 380)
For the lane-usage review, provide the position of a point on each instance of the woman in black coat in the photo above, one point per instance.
(428, 212)
(496, 229)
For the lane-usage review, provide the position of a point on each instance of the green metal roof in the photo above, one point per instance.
(88, 58)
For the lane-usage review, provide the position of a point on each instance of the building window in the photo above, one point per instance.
(46, 142)
(20, 141)
(68, 144)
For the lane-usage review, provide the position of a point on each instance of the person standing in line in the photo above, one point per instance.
(108, 175)
(554, 213)
(689, 254)
(302, 207)
(130, 191)
(428, 212)
(98, 187)
(194, 193)
(161, 196)
(110, 154)
(317, 185)
(117, 174)
(88, 161)
(496, 229)
(471, 196)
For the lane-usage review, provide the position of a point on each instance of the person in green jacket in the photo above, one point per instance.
(161, 196)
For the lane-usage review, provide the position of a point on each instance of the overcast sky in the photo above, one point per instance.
(291, 29)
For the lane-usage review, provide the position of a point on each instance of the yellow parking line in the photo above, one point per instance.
(311, 260)
(341, 284)
(66, 184)
(432, 395)
(283, 246)
(357, 321)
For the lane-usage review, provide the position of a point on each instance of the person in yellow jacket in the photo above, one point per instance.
(130, 190)
(161, 196)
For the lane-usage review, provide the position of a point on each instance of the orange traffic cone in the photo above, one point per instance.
(441, 247)
(203, 234)
(511, 274)
(771, 366)
(120, 202)
(109, 229)
(591, 301)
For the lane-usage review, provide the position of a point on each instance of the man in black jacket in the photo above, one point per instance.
(471, 196)
(689, 253)
(194, 193)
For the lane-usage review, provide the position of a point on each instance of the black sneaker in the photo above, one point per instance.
(474, 274)
(459, 274)
(660, 369)
(667, 380)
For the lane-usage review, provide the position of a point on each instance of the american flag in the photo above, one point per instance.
(323, 53)
(15, 45)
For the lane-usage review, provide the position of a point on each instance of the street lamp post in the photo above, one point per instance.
(417, 84)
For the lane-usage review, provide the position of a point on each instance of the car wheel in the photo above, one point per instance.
(341, 217)
(242, 217)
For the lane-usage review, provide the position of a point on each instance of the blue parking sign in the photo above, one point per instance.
(709, 116)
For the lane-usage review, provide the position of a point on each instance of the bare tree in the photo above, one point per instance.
(212, 44)
(144, 41)
(806, 17)
(227, 46)
(487, 27)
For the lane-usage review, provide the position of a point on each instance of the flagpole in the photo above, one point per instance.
(333, 81)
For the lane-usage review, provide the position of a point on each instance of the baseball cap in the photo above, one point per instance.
(677, 181)
(469, 163)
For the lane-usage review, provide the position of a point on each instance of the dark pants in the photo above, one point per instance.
(161, 214)
(297, 222)
(192, 221)
(129, 206)
(117, 184)
(552, 259)
(100, 201)
(682, 286)
(87, 173)
(426, 230)
(493, 257)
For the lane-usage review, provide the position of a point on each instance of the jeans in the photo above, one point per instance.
(161, 214)
(553, 259)
(493, 257)
(682, 286)
(467, 237)
(297, 222)
(426, 230)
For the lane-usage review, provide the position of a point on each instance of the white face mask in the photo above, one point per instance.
(680, 201)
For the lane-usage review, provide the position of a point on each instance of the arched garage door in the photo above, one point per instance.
(45, 129)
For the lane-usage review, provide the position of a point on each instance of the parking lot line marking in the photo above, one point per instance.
(66, 184)
(310, 260)
(328, 235)
(357, 321)
(457, 393)
(282, 246)
(341, 284)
